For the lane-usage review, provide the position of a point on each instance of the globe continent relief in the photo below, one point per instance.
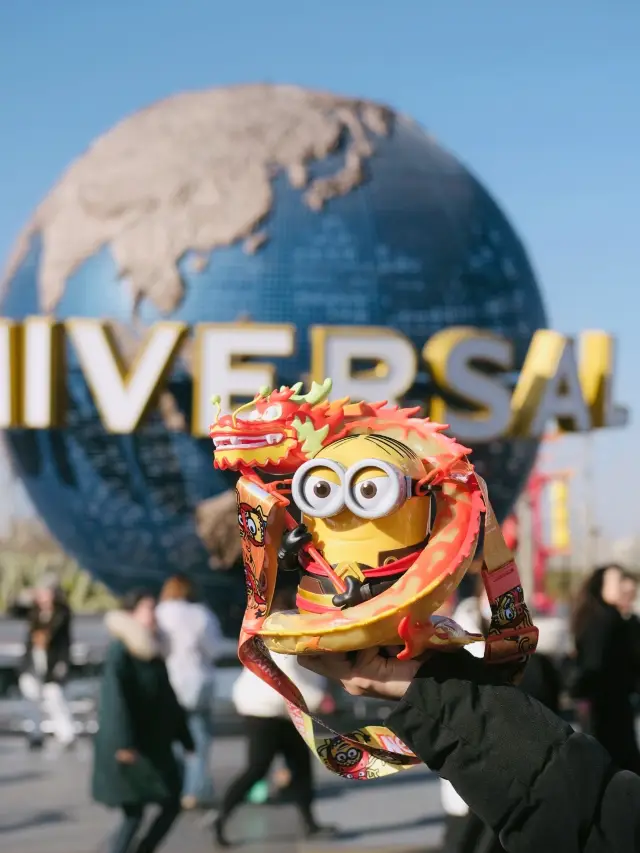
(265, 203)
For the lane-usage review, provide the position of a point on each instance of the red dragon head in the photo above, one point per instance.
(278, 430)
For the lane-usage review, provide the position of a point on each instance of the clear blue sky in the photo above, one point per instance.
(539, 99)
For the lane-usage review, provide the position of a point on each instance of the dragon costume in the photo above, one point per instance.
(393, 516)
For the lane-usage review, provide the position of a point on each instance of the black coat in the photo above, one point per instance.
(58, 630)
(541, 680)
(138, 711)
(606, 677)
(538, 784)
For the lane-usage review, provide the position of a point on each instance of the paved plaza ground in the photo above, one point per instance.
(45, 808)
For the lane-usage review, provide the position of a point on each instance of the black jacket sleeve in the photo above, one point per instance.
(540, 786)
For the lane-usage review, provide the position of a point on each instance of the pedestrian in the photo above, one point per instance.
(270, 732)
(140, 720)
(627, 607)
(193, 644)
(605, 676)
(45, 664)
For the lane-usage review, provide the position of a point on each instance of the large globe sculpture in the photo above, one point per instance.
(266, 203)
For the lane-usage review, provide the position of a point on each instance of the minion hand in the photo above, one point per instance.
(352, 594)
(292, 544)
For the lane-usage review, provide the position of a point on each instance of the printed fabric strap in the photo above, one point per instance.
(369, 752)
(512, 636)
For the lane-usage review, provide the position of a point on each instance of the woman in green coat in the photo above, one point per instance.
(140, 720)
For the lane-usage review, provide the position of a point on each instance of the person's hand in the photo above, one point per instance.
(126, 756)
(366, 674)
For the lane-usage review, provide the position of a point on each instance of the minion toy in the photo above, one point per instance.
(392, 516)
(366, 506)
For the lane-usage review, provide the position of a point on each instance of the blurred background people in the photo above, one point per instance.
(45, 665)
(193, 641)
(627, 607)
(628, 596)
(605, 674)
(140, 720)
(270, 732)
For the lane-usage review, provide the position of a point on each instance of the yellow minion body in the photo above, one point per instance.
(380, 517)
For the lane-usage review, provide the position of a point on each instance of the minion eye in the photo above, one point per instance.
(321, 496)
(374, 489)
(317, 488)
(375, 494)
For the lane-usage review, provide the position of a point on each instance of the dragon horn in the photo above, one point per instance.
(216, 403)
(317, 394)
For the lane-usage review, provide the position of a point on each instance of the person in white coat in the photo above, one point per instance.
(270, 733)
(46, 661)
(193, 642)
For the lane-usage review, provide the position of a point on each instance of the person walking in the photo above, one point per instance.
(45, 664)
(140, 720)
(270, 732)
(627, 608)
(605, 676)
(193, 644)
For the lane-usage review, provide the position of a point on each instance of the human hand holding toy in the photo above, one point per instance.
(366, 673)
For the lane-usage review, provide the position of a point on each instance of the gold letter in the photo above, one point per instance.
(548, 387)
(10, 370)
(43, 373)
(597, 370)
(123, 396)
(335, 348)
(450, 355)
(219, 353)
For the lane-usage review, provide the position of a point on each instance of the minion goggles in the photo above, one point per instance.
(318, 497)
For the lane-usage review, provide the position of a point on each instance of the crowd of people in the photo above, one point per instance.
(155, 711)
(515, 776)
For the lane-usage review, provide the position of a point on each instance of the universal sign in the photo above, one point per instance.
(556, 383)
